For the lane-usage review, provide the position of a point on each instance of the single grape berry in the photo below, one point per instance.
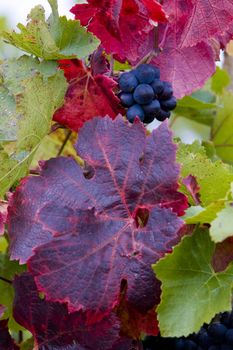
(162, 115)
(128, 82)
(179, 344)
(143, 94)
(167, 91)
(146, 73)
(217, 331)
(134, 111)
(169, 105)
(157, 86)
(229, 337)
(126, 99)
(151, 108)
(204, 339)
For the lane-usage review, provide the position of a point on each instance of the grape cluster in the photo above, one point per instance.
(216, 336)
(145, 95)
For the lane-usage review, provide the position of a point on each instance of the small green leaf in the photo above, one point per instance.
(57, 38)
(204, 216)
(222, 129)
(192, 292)
(220, 81)
(191, 102)
(222, 226)
(214, 178)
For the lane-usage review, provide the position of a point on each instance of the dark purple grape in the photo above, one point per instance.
(157, 86)
(133, 111)
(179, 344)
(214, 347)
(170, 104)
(190, 345)
(128, 82)
(217, 331)
(204, 339)
(162, 115)
(143, 94)
(229, 336)
(226, 319)
(148, 119)
(146, 73)
(167, 91)
(126, 99)
(151, 108)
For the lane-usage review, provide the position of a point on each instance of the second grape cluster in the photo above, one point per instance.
(145, 95)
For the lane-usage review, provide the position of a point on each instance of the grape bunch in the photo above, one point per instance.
(218, 335)
(145, 95)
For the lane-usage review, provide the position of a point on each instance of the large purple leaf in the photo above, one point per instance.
(103, 224)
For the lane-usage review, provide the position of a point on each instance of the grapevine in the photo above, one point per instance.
(116, 223)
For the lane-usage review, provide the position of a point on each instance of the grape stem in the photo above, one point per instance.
(69, 132)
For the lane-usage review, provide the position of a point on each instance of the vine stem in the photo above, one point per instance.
(5, 280)
(69, 132)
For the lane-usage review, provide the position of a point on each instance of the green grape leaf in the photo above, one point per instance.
(214, 178)
(194, 108)
(191, 102)
(8, 269)
(201, 215)
(220, 81)
(222, 130)
(34, 99)
(56, 38)
(192, 292)
(222, 226)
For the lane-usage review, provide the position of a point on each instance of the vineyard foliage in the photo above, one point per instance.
(110, 230)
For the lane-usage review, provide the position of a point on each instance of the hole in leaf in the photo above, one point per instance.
(123, 287)
(141, 217)
(141, 158)
(88, 171)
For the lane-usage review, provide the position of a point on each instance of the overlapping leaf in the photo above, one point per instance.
(53, 327)
(8, 269)
(57, 38)
(123, 27)
(88, 95)
(192, 292)
(214, 178)
(31, 91)
(103, 224)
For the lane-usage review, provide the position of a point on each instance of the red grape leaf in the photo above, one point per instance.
(193, 188)
(223, 255)
(187, 68)
(97, 219)
(87, 96)
(206, 20)
(123, 26)
(6, 342)
(52, 326)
